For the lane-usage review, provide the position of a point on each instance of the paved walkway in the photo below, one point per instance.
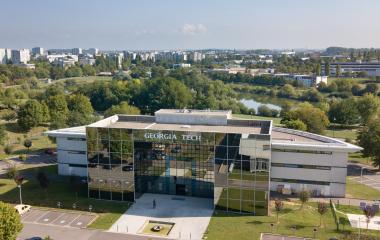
(191, 216)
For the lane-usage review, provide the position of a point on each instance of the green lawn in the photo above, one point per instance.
(276, 120)
(60, 189)
(341, 133)
(15, 138)
(359, 158)
(360, 191)
(233, 226)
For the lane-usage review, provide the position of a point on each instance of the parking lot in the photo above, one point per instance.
(58, 218)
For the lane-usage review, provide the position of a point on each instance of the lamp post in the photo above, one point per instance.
(361, 174)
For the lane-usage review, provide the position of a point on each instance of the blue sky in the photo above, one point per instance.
(191, 24)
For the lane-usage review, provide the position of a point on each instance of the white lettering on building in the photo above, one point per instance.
(168, 136)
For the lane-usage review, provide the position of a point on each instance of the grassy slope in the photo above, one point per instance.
(361, 191)
(233, 226)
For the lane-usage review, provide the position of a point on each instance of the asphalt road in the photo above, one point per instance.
(369, 178)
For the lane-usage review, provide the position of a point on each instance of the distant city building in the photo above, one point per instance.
(3, 56)
(261, 71)
(53, 57)
(181, 65)
(197, 56)
(20, 56)
(310, 80)
(37, 51)
(370, 68)
(77, 51)
(8, 54)
(87, 61)
(231, 69)
(288, 53)
(27, 65)
(92, 51)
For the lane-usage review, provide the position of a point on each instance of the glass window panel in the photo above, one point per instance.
(114, 134)
(91, 133)
(221, 139)
(115, 158)
(247, 207)
(221, 152)
(92, 157)
(234, 193)
(234, 205)
(106, 195)
(221, 204)
(115, 146)
(261, 208)
(93, 193)
(92, 145)
(126, 134)
(234, 139)
(103, 133)
(104, 158)
(103, 146)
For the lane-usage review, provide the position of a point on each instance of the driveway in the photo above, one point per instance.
(190, 215)
(369, 178)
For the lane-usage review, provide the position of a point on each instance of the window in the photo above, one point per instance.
(76, 139)
(288, 165)
(76, 152)
(299, 181)
(300, 151)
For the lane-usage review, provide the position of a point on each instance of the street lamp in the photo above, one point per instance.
(361, 174)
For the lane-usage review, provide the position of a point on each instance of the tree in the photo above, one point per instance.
(327, 68)
(338, 71)
(368, 107)
(287, 91)
(81, 111)
(278, 205)
(58, 111)
(314, 118)
(318, 70)
(3, 135)
(303, 196)
(158, 71)
(43, 180)
(10, 222)
(322, 209)
(295, 124)
(74, 71)
(164, 93)
(27, 143)
(344, 111)
(57, 73)
(372, 88)
(122, 108)
(369, 140)
(369, 212)
(88, 70)
(30, 114)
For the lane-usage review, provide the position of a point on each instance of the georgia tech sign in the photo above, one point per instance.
(169, 136)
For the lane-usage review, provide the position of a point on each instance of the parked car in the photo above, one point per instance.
(50, 151)
(22, 208)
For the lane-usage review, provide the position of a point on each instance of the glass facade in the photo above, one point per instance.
(232, 169)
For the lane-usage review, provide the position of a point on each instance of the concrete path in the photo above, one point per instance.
(191, 216)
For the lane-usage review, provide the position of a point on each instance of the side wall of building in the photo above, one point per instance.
(72, 157)
(323, 173)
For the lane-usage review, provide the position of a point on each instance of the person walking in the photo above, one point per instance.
(154, 203)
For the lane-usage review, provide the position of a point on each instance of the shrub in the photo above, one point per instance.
(8, 149)
(22, 157)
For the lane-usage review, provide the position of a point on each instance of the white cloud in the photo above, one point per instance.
(193, 29)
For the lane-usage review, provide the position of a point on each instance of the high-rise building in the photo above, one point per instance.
(20, 56)
(77, 51)
(3, 56)
(8, 53)
(92, 51)
(37, 51)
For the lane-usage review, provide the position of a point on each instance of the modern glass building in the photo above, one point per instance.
(181, 152)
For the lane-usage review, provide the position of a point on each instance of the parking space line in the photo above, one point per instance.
(38, 219)
(69, 224)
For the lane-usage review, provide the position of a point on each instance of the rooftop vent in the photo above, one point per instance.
(185, 126)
